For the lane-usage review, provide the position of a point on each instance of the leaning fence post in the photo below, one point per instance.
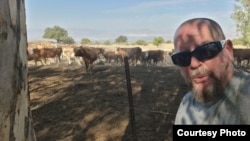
(130, 99)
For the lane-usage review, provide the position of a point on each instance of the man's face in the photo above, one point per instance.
(206, 78)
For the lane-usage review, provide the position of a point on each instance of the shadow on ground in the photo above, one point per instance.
(70, 105)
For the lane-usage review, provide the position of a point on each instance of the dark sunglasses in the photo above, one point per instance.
(202, 53)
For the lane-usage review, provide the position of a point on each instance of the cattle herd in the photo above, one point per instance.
(88, 56)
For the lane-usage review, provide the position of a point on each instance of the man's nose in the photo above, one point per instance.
(194, 62)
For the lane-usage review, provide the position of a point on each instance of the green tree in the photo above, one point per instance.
(56, 32)
(141, 42)
(241, 16)
(121, 39)
(158, 40)
(85, 41)
(68, 40)
(238, 41)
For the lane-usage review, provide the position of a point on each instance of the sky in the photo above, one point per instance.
(100, 20)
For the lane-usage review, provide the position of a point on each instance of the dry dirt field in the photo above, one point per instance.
(70, 105)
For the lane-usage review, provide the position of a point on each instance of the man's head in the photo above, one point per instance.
(204, 56)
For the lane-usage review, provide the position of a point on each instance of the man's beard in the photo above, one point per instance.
(209, 93)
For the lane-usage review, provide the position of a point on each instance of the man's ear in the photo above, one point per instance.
(229, 49)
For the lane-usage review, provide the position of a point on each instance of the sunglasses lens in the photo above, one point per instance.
(182, 59)
(207, 51)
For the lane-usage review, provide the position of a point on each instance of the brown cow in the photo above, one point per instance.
(111, 55)
(89, 55)
(133, 53)
(98, 50)
(34, 57)
(46, 53)
(152, 55)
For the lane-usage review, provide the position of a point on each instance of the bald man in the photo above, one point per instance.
(219, 93)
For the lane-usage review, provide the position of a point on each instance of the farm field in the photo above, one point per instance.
(70, 105)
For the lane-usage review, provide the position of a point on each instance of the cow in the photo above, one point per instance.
(134, 54)
(99, 51)
(152, 55)
(89, 55)
(112, 55)
(241, 54)
(35, 57)
(46, 53)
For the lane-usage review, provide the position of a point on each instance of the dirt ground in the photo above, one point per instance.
(70, 105)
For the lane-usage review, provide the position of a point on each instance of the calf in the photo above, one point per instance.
(111, 55)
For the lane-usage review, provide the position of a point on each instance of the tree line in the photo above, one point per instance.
(61, 36)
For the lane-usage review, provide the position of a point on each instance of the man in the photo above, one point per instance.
(220, 94)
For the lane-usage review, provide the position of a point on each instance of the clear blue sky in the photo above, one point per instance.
(101, 20)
